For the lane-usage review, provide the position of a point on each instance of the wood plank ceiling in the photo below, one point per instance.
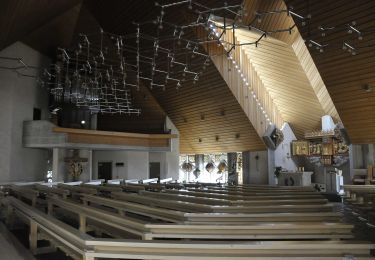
(285, 80)
(19, 18)
(282, 68)
(300, 99)
(345, 75)
(207, 115)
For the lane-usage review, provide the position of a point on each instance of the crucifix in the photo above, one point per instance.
(75, 164)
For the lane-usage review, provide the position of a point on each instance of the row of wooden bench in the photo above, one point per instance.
(181, 214)
(361, 200)
(83, 246)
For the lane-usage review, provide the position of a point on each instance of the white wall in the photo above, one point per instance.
(136, 164)
(172, 158)
(169, 161)
(18, 96)
(283, 154)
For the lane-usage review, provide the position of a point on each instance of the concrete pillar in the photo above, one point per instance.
(232, 168)
(246, 167)
(56, 174)
(89, 166)
(370, 155)
(271, 167)
(93, 121)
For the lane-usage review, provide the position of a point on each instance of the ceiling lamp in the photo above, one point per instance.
(210, 167)
(222, 167)
(187, 166)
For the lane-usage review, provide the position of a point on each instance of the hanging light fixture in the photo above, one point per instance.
(222, 167)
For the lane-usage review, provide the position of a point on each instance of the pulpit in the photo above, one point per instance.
(295, 178)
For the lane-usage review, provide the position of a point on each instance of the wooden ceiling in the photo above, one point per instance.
(345, 75)
(284, 79)
(279, 63)
(206, 111)
(224, 127)
(19, 18)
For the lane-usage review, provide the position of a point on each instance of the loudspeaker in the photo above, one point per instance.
(273, 137)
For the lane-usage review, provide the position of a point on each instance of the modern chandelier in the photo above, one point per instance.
(103, 69)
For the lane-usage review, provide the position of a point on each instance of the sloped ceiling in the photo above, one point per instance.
(345, 75)
(19, 18)
(225, 126)
(209, 98)
(284, 79)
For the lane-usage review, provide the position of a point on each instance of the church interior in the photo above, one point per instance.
(187, 129)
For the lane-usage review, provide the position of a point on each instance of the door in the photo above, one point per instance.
(155, 170)
(105, 170)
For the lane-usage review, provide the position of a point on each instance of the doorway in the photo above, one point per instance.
(105, 170)
(155, 170)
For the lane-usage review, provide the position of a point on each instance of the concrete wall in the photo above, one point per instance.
(61, 168)
(283, 154)
(172, 158)
(135, 164)
(18, 96)
(255, 167)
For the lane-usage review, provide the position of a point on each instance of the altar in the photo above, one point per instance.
(295, 178)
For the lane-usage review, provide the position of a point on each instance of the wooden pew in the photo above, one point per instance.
(217, 218)
(174, 205)
(262, 189)
(361, 198)
(122, 223)
(124, 207)
(244, 218)
(77, 189)
(254, 193)
(85, 247)
(64, 236)
(149, 231)
(52, 190)
(105, 188)
(214, 201)
(25, 192)
(194, 207)
(240, 197)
